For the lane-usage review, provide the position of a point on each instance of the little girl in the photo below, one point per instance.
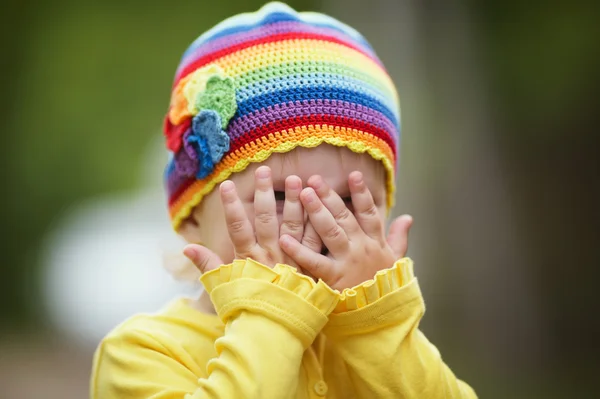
(295, 119)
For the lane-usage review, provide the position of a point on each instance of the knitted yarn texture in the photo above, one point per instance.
(267, 82)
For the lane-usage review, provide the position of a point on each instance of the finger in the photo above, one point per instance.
(365, 209)
(314, 263)
(335, 204)
(332, 235)
(293, 213)
(265, 210)
(311, 239)
(203, 258)
(239, 227)
(398, 235)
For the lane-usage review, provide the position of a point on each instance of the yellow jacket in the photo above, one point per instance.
(280, 335)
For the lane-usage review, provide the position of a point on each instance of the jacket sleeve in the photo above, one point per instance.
(271, 317)
(375, 329)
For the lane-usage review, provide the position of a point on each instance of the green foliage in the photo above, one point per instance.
(541, 61)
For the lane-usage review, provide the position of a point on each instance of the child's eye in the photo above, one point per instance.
(279, 195)
(348, 203)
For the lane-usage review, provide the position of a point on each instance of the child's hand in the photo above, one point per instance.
(261, 241)
(203, 258)
(295, 223)
(356, 242)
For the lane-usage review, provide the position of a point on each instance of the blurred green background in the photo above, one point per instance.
(499, 167)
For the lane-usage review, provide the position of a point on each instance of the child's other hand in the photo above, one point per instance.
(356, 242)
(203, 258)
(294, 221)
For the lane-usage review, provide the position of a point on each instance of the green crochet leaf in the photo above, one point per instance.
(219, 96)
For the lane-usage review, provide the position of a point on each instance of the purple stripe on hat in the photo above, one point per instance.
(265, 31)
(175, 179)
(278, 112)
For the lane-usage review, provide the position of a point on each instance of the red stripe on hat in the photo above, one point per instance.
(290, 123)
(208, 58)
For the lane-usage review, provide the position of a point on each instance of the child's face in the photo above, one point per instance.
(333, 164)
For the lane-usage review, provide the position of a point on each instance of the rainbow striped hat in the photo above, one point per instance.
(269, 81)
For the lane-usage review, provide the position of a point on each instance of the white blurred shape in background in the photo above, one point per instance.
(105, 260)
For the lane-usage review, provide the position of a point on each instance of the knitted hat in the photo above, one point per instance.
(270, 81)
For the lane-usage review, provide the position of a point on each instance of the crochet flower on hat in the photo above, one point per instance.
(219, 96)
(186, 160)
(175, 133)
(201, 107)
(209, 141)
(196, 83)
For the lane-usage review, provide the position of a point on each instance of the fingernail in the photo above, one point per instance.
(317, 183)
(357, 177)
(227, 186)
(263, 172)
(293, 183)
(309, 196)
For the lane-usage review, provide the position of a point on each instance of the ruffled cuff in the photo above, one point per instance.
(392, 296)
(369, 292)
(281, 294)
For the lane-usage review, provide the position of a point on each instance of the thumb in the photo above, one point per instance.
(398, 235)
(203, 258)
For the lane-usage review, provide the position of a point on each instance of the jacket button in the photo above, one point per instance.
(321, 388)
